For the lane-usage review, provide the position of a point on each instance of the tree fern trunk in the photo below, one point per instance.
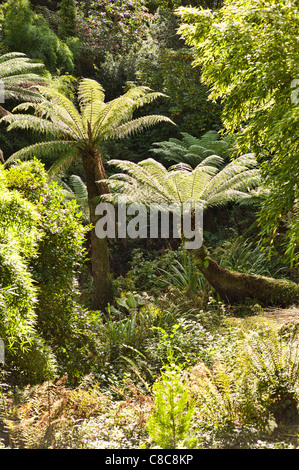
(100, 263)
(234, 287)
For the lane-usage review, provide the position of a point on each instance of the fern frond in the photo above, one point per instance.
(111, 114)
(18, 67)
(47, 111)
(89, 91)
(212, 160)
(230, 175)
(76, 190)
(136, 125)
(91, 97)
(200, 151)
(65, 109)
(79, 186)
(192, 149)
(63, 162)
(11, 55)
(27, 121)
(147, 177)
(41, 149)
(141, 96)
(172, 151)
(189, 139)
(118, 113)
(20, 76)
(222, 198)
(150, 180)
(114, 114)
(19, 93)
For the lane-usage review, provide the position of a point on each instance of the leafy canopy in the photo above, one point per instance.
(248, 52)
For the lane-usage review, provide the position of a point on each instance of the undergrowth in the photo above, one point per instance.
(240, 389)
(236, 382)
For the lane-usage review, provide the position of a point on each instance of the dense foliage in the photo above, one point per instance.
(28, 32)
(143, 342)
(249, 58)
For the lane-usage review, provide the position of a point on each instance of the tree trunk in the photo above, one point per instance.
(100, 262)
(235, 287)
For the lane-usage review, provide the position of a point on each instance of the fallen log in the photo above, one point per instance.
(234, 287)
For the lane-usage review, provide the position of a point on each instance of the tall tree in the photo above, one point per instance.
(78, 134)
(67, 18)
(25, 31)
(248, 53)
(150, 182)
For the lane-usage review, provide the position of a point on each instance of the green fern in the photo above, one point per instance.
(149, 181)
(193, 150)
(274, 362)
(76, 189)
(252, 384)
(20, 76)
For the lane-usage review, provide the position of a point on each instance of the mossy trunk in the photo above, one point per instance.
(100, 262)
(234, 287)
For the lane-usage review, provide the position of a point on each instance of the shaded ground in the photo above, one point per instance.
(281, 315)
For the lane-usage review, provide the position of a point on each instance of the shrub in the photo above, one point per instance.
(26, 354)
(250, 388)
(28, 32)
(170, 421)
(55, 268)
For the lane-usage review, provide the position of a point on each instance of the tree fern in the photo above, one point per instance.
(77, 133)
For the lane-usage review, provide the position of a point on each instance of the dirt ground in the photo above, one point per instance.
(282, 315)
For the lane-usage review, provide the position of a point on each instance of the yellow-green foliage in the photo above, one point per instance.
(20, 233)
(169, 424)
